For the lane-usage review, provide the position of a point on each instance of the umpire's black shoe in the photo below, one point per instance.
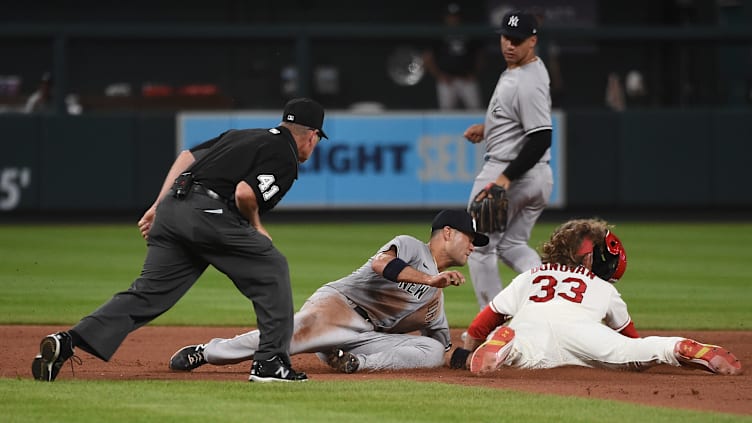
(275, 370)
(54, 350)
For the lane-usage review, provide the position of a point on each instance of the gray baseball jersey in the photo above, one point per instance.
(397, 307)
(520, 106)
(367, 315)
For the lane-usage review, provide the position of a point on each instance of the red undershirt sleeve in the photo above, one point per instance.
(485, 322)
(628, 331)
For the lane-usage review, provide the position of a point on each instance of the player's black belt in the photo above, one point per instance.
(488, 158)
(358, 309)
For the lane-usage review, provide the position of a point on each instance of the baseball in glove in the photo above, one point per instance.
(489, 209)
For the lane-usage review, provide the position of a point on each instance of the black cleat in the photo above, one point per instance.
(54, 350)
(275, 370)
(342, 361)
(188, 358)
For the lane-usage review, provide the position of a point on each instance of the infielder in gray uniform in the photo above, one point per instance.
(517, 131)
(362, 321)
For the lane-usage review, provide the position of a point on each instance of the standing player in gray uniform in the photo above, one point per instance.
(362, 321)
(210, 216)
(517, 130)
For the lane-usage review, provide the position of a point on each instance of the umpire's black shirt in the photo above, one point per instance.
(267, 159)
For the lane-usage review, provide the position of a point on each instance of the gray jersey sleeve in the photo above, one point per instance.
(396, 307)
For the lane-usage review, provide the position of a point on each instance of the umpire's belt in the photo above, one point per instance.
(358, 309)
(207, 192)
(200, 189)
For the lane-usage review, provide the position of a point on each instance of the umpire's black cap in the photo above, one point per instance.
(519, 25)
(306, 112)
(460, 220)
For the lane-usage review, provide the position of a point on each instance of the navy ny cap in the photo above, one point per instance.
(462, 221)
(519, 25)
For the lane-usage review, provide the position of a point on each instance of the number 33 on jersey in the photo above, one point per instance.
(570, 288)
(569, 293)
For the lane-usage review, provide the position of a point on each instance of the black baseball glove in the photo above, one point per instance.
(489, 209)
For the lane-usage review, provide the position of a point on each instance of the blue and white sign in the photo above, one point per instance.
(385, 160)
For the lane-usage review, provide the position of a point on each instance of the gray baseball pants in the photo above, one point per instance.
(327, 320)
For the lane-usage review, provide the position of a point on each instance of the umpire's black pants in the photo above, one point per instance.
(187, 236)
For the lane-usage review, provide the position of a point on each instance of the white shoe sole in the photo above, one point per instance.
(260, 379)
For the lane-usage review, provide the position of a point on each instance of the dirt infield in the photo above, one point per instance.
(145, 354)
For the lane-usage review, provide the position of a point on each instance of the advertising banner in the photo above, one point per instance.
(385, 160)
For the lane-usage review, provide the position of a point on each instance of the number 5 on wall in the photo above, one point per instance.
(12, 180)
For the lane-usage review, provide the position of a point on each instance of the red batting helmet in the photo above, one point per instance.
(610, 263)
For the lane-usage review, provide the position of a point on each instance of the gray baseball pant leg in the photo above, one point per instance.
(326, 320)
(391, 351)
(483, 262)
(528, 197)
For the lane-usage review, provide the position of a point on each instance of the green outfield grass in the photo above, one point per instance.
(330, 401)
(679, 276)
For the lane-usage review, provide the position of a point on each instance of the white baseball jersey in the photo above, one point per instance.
(569, 316)
(558, 292)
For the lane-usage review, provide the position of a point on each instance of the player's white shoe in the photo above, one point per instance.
(493, 352)
(712, 358)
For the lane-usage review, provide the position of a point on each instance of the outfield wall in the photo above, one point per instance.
(116, 162)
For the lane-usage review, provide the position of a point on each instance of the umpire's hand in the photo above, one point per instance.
(144, 224)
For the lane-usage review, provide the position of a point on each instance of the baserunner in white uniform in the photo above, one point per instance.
(517, 133)
(568, 312)
(363, 320)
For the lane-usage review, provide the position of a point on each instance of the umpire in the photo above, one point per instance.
(210, 215)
